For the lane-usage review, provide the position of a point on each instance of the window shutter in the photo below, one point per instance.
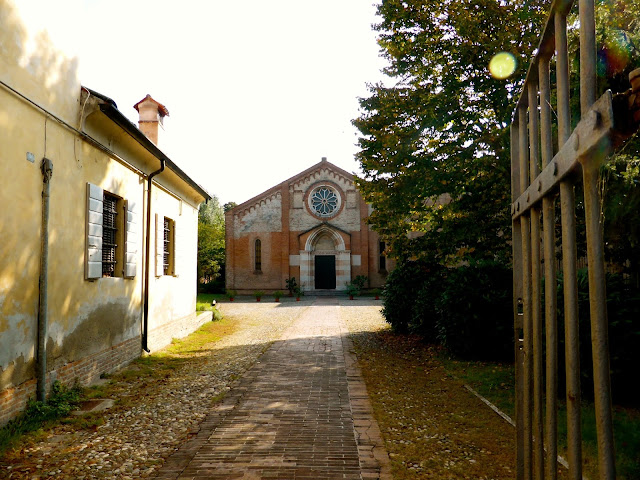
(159, 245)
(131, 240)
(93, 265)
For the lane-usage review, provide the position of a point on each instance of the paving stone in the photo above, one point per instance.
(295, 417)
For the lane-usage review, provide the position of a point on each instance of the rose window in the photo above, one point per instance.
(324, 201)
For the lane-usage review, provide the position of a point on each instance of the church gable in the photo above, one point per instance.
(311, 227)
(265, 215)
(324, 193)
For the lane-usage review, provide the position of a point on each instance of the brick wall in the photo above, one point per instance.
(85, 371)
(14, 400)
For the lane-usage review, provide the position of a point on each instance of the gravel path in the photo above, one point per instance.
(139, 434)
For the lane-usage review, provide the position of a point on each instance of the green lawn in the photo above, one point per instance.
(495, 382)
(203, 300)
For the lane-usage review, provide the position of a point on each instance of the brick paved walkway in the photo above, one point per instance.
(301, 412)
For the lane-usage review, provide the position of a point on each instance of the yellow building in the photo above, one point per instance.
(98, 227)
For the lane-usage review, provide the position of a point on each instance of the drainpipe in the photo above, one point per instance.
(47, 172)
(145, 329)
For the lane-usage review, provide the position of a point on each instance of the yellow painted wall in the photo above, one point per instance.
(174, 294)
(85, 317)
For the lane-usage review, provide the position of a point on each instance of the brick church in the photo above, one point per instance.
(311, 227)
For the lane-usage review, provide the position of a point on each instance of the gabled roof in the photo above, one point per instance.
(300, 176)
(109, 108)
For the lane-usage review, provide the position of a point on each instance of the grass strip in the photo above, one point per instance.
(495, 381)
(139, 375)
(432, 426)
(39, 415)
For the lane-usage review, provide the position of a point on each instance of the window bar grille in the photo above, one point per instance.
(166, 247)
(109, 230)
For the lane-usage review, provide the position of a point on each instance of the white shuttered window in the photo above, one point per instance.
(165, 246)
(111, 235)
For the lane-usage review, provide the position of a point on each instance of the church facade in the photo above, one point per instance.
(312, 227)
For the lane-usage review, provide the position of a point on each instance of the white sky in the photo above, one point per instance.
(257, 90)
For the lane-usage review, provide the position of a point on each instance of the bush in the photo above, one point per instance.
(465, 309)
(62, 400)
(215, 286)
(356, 285)
(400, 292)
(216, 315)
(424, 314)
(292, 285)
(623, 309)
(474, 312)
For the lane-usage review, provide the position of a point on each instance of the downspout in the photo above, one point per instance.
(145, 327)
(41, 391)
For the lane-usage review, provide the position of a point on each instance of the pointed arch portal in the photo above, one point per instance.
(325, 262)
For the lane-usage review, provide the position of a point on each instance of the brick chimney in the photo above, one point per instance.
(152, 115)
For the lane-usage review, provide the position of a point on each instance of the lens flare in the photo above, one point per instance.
(502, 65)
(614, 55)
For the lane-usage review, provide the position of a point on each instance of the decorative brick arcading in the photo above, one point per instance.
(258, 202)
(317, 175)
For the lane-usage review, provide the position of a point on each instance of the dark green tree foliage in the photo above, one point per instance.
(621, 184)
(473, 311)
(211, 253)
(440, 131)
(623, 309)
(465, 309)
(402, 286)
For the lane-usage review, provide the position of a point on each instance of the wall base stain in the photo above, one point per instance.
(104, 327)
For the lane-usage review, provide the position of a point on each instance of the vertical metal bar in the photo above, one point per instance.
(562, 74)
(516, 238)
(595, 254)
(526, 299)
(550, 283)
(536, 298)
(587, 55)
(599, 324)
(569, 261)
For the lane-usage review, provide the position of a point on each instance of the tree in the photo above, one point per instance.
(211, 233)
(434, 146)
(229, 205)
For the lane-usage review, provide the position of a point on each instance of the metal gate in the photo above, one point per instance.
(537, 178)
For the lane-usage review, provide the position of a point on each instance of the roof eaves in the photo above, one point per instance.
(110, 110)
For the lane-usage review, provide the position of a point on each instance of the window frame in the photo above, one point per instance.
(168, 247)
(257, 256)
(122, 248)
(382, 258)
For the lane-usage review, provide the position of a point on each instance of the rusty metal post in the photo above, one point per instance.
(569, 262)
(595, 253)
(516, 236)
(550, 295)
(536, 297)
(525, 232)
